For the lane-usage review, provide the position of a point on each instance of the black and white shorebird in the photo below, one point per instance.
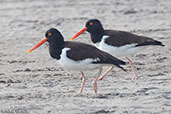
(77, 56)
(116, 43)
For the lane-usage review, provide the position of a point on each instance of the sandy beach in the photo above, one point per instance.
(36, 84)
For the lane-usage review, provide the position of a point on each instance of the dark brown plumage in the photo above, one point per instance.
(120, 38)
(80, 51)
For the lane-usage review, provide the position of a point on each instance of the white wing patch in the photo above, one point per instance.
(77, 65)
(125, 50)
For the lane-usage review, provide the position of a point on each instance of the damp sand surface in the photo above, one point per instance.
(36, 84)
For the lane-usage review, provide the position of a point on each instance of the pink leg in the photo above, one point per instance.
(95, 80)
(82, 85)
(102, 76)
(132, 67)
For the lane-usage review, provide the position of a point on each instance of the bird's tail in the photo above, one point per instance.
(120, 62)
(150, 42)
(158, 43)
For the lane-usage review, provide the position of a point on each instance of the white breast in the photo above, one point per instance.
(125, 50)
(77, 65)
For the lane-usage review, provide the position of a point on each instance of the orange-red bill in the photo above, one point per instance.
(79, 33)
(37, 45)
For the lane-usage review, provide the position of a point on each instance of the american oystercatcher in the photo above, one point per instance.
(77, 56)
(116, 43)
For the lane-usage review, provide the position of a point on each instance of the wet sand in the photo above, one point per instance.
(36, 84)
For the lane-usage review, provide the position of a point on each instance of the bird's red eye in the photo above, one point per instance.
(49, 34)
(91, 23)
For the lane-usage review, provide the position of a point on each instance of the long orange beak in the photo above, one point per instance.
(79, 33)
(38, 44)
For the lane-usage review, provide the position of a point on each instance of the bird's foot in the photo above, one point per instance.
(78, 94)
(100, 78)
(135, 77)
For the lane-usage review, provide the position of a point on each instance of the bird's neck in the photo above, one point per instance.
(97, 37)
(55, 49)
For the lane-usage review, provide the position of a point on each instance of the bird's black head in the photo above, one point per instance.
(94, 26)
(54, 36)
